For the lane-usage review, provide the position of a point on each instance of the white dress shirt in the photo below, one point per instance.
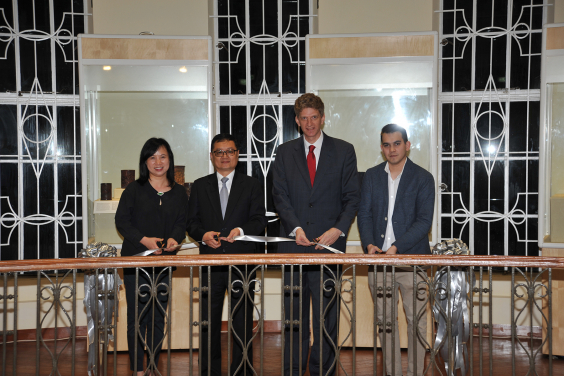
(317, 153)
(317, 150)
(228, 184)
(389, 237)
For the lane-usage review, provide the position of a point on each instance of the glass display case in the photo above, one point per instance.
(131, 90)
(551, 189)
(368, 81)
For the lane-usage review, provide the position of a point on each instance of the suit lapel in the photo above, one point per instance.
(237, 188)
(301, 162)
(403, 182)
(382, 184)
(213, 195)
(326, 157)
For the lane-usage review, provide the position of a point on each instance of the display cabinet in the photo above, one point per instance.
(133, 88)
(551, 179)
(551, 189)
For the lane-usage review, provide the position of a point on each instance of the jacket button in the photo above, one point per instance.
(386, 218)
(382, 235)
(307, 223)
(311, 205)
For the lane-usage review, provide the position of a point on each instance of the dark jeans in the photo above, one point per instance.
(242, 298)
(151, 311)
(311, 289)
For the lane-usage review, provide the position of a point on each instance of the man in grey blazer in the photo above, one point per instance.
(395, 216)
(316, 194)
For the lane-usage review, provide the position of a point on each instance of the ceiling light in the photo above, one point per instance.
(107, 67)
(183, 70)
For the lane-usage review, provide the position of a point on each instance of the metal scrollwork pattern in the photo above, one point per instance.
(56, 293)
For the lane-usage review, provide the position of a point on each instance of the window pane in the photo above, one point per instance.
(491, 13)
(489, 128)
(490, 60)
(69, 184)
(37, 131)
(263, 17)
(232, 70)
(265, 129)
(35, 56)
(289, 127)
(9, 130)
(233, 120)
(237, 20)
(7, 67)
(41, 189)
(68, 130)
(264, 64)
(33, 15)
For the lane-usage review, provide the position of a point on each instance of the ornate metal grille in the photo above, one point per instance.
(489, 106)
(259, 73)
(40, 154)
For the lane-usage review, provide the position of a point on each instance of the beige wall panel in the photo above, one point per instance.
(170, 17)
(374, 16)
(555, 38)
(144, 49)
(384, 46)
(558, 11)
(557, 306)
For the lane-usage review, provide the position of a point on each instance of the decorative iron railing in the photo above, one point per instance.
(455, 294)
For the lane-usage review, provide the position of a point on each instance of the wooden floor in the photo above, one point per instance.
(181, 362)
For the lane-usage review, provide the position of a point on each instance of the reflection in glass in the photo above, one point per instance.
(132, 118)
(556, 118)
(357, 116)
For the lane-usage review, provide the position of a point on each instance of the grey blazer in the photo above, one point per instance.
(331, 202)
(413, 210)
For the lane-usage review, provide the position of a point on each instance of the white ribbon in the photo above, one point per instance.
(246, 238)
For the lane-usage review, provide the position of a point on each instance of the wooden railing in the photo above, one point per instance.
(283, 259)
(531, 280)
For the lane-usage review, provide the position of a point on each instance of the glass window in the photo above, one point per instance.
(40, 165)
(489, 124)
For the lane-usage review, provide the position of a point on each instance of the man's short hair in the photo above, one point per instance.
(220, 137)
(308, 100)
(393, 128)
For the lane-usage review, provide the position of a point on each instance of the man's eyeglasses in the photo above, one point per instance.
(221, 153)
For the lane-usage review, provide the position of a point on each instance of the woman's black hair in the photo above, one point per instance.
(148, 150)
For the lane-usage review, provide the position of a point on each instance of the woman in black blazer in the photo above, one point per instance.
(151, 214)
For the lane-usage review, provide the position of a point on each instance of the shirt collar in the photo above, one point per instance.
(230, 176)
(317, 143)
(387, 169)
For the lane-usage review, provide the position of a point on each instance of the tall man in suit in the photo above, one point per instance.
(395, 216)
(316, 194)
(224, 205)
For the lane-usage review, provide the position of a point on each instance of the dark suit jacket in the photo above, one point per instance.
(245, 209)
(331, 202)
(413, 209)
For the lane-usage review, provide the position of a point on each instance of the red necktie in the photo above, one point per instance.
(311, 164)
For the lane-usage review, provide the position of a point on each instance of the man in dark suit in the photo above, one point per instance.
(224, 205)
(395, 216)
(316, 194)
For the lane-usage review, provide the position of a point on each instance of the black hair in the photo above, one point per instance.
(393, 128)
(149, 149)
(220, 137)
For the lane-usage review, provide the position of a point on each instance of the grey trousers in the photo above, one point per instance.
(403, 283)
